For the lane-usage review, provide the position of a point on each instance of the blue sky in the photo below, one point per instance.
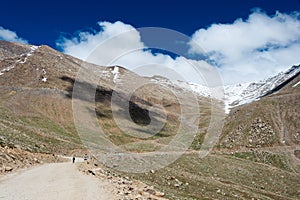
(42, 22)
(58, 23)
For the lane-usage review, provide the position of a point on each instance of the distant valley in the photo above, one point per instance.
(256, 157)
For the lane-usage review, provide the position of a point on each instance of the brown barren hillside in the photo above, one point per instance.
(36, 100)
(257, 156)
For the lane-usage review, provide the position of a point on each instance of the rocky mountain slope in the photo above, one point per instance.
(258, 137)
(239, 94)
(245, 93)
(36, 87)
(257, 156)
(273, 120)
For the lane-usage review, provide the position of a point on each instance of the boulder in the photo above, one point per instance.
(8, 169)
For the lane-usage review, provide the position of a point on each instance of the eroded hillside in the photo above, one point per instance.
(257, 156)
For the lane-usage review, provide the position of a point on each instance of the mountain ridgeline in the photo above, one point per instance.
(257, 155)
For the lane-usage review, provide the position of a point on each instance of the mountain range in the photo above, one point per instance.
(243, 93)
(256, 157)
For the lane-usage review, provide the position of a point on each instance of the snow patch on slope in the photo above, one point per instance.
(32, 50)
(22, 60)
(239, 94)
(7, 69)
(195, 88)
(44, 79)
(115, 72)
(236, 95)
(296, 84)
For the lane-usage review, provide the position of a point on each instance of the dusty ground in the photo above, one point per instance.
(53, 181)
(73, 181)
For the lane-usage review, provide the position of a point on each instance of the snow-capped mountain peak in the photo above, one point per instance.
(238, 94)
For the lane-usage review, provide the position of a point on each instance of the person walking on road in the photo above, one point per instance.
(73, 159)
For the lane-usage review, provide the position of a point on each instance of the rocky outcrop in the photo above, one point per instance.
(124, 186)
(14, 158)
(257, 134)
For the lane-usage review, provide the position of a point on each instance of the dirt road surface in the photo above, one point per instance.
(53, 181)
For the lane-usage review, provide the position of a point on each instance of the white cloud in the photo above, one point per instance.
(82, 45)
(10, 36)
(244, 51)
(120, 44)
(253, 49)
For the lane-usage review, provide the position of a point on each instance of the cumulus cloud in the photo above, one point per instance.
(120, 44)
(10, 36)
(252, 49)
(243, 51)
(84, 43)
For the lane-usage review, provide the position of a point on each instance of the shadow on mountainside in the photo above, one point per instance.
(138, 108)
